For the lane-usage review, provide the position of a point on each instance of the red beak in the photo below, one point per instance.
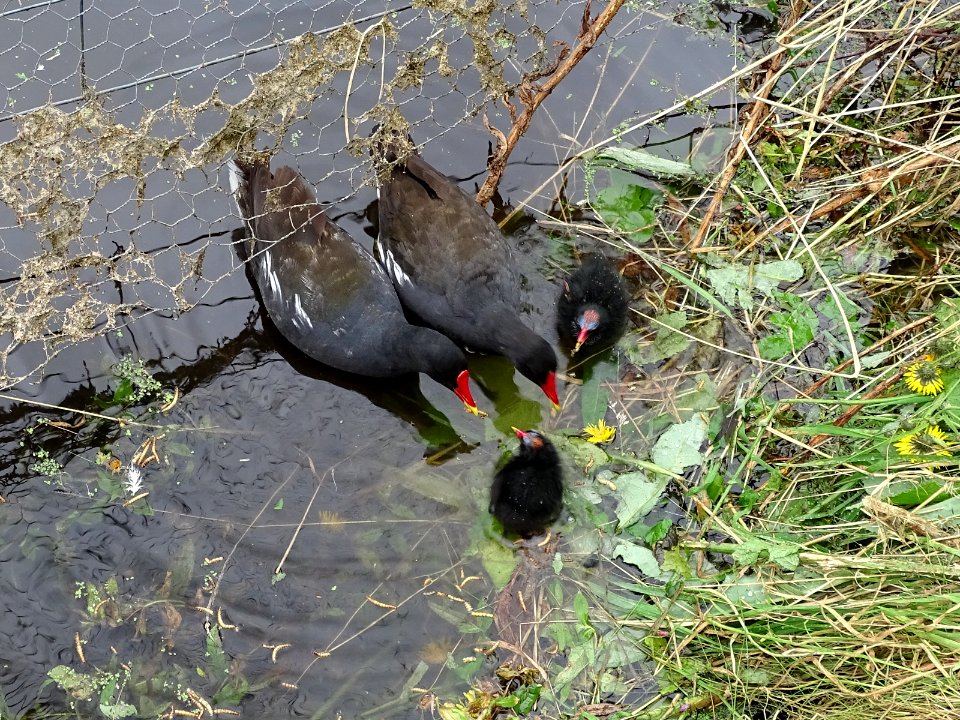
(549, 388)
(581, 339)
(520, 433)
(466, 397)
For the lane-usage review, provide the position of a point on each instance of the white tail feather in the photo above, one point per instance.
(238, 185)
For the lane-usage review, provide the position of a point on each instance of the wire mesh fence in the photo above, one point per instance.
(116, 122)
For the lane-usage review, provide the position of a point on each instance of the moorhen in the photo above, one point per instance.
(527, 493)
(453, 268)
(327, 295)
(592, 309)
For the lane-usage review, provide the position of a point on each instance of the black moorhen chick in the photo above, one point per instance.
(327, 295)
(527, 493)
(592, 309)
(453, 268)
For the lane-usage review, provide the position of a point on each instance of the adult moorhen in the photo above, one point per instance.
(592, 309)
(453, 268)
(327, 295)
(527, 493)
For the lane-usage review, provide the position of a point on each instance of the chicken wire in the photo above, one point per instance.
(117, 121)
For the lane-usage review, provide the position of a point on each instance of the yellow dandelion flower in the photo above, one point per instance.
(599, 433)
(929, 441)
(924, 377)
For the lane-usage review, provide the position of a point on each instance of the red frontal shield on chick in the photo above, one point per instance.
(588, 321)
(530, 438)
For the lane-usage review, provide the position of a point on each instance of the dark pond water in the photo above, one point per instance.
(369, 497)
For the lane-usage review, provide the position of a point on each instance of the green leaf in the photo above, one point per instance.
(921, 492)
(106, 692)
(775, 347)
(581, 608)
(737, 283)
(668, 342)
(453, 712)
(640, 557)
(637, 495)
(944, 510)
(679, 447)
(627, 207)
(676, 562)
(753, 550)
(747, 591)
(596, 390)
(796, 328)
(118, 711)
(278, 505)
(586, 455)
(581, 657)
(702, 396)
(528, 696)
(689, 284)
(635, 159)
(123, 392)
(658, 532)
(748, 498)
(77, 685)
(498, 561)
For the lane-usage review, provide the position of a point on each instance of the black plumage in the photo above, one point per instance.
(527, 492)
(325, 293)
(592, 309)
(454, 269)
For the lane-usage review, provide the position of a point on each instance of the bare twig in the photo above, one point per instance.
(533, 96)
(758, 112)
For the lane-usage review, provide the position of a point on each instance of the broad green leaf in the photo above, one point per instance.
(118, 711)
(795, 328)
(774, 347)
(447, 611)
(580, 657)
(676, 562)
(668, 342)
(637, 495)
(679, 447)
(828, 308)
(640, 557)
(621, 649)
(755, 550)
(748, 498)
(702, 396)
(498, 561)
(919, 493)
(106, 692)
(627, 207)
(737, 283)
(123, 392)
(746, 591)
(658, 532)
(77, 685)
(586, 455)
(945, 510)
(596, 390)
